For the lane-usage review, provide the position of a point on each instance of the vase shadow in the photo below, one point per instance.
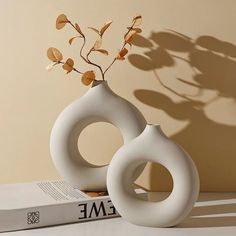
(217, 215)
(211, 144)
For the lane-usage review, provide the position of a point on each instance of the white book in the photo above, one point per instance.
(38, 204)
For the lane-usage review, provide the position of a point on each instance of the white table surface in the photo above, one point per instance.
(213, 214)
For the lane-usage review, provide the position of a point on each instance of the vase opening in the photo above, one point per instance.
(98, 82)
(153, 125)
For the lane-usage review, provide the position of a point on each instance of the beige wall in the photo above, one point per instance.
(182, 74)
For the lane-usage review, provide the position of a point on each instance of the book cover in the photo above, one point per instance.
(38, 204)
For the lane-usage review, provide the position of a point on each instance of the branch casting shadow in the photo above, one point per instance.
(211, 144)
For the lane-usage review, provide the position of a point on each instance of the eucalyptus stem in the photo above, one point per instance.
(94, 64)
(84, 42)
(110, 65)
(124, 44)
(74, 69)
(86, 59)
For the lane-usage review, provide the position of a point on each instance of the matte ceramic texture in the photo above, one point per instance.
(100, 103)
(153, 145)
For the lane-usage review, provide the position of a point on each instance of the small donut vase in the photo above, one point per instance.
(100, 103)
(154, 146)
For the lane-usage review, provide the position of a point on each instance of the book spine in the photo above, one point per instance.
(79, 211)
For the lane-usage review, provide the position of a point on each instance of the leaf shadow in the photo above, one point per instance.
(211, 144)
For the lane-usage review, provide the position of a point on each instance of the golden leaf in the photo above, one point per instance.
(121, 54)
(88, 77)
(120, 58)
(103, 51)
(98, 43)
(78, 29)
(61, 21)
(54, 55)
(94, 29)
(72, 39)
(137, 20)
(129, 37)
(69, 65)
(138, 30)
(104, 28)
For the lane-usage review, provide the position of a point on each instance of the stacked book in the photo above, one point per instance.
(38, 204)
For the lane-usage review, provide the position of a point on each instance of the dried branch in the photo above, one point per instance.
(128, 37)
(56, 57)
(74, 69)
(86, 59)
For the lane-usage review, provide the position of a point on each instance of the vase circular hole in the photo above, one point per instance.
(154, 184)
(98, 142)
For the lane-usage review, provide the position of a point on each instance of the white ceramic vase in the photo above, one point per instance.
(152, 145)
(100, 103)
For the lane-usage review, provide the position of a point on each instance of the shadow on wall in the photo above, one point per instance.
(213, 62)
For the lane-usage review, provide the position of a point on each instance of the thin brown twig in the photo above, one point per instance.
(110, 65)
(124, 44)
(74, 69)
(94, 64)
(81, 49)
(84, 42)
(86, 59)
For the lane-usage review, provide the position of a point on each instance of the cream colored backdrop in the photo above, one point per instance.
(181, 74)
